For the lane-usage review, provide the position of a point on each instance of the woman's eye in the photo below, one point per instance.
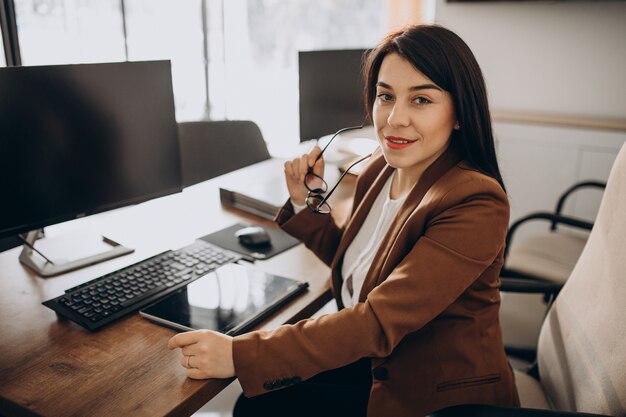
(421, 100)
(384, 96)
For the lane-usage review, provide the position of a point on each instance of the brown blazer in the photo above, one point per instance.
(428, 311)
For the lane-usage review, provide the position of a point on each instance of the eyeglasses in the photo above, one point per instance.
(316, 201)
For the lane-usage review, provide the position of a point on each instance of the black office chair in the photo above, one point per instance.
(212, 148)
(581, 354)
(551, 255)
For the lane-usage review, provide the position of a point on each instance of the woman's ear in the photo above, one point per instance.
(457, 126)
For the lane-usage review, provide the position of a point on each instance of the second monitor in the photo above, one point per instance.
(331, 91)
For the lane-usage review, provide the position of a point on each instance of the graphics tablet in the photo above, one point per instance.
(232, 299)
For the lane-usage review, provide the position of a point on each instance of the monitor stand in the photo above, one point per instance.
(46, 267)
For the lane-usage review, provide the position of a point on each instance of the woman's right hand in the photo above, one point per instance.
(295, 171)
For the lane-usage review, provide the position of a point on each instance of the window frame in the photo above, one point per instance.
(8, 27)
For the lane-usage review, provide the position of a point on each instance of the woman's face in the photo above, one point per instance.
(413, 117)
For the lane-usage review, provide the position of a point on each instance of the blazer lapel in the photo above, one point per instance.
(362, 210)
(379, 173)
(435, 171)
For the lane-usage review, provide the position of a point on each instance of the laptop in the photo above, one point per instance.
(233, 299)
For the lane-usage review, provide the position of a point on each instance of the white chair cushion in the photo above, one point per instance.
(581, 351)
(531, 394)
(550, 255)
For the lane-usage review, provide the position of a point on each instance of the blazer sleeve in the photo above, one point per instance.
(318, 232)
(462, 239)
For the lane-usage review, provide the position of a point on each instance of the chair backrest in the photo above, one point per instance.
(582, 345)
(212, 148)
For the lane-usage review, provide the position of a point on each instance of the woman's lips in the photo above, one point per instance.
(396, 142)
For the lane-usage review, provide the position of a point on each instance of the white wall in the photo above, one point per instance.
(560, 57)
(538, 163)
(554, 57)
(564, 57)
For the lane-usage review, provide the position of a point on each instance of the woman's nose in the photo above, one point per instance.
(399, 117)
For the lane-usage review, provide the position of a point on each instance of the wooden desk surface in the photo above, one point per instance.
(53, 367)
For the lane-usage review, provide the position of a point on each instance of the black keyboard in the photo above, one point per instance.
(114, 295)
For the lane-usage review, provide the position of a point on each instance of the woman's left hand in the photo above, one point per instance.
(206, 354)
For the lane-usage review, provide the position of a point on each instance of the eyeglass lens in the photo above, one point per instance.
(317, 203)
(315, 183)
(322, 205)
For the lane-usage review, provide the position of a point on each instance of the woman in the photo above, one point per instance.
(415, 269)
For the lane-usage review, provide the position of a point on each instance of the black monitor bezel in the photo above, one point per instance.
(77, 214)
(306, 134)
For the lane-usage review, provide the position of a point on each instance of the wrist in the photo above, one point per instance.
(231, 359)
(297, 208)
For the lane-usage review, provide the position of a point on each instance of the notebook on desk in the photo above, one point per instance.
(259, 189)
(232, 300)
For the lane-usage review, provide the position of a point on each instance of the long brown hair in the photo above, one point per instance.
(445, 58)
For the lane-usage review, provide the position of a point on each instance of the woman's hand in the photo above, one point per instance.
(205, 354)
(296, 169)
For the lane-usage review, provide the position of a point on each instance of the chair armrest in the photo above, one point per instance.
(541, 215)
(529, 286)
(569, 191)
(474, 410)
(532, 286)
(526, 354)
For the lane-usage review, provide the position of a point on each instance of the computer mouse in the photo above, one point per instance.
(253, 236)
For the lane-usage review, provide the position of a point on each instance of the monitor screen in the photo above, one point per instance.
(331, 91)
(81, 139)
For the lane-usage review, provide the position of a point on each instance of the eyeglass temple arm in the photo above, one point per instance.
(332, 190)
(345, 129)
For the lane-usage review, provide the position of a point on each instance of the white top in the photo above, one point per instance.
(361, 252)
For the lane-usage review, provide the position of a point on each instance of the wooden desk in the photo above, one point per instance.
(53, 367)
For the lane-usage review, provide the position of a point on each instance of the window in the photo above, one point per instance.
(257, 51)
(84, 31)
(3, 60)
(69, 31)
(166, 29)
(245, 50)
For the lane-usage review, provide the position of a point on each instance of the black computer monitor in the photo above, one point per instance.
(81, 139)
(331, 91)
